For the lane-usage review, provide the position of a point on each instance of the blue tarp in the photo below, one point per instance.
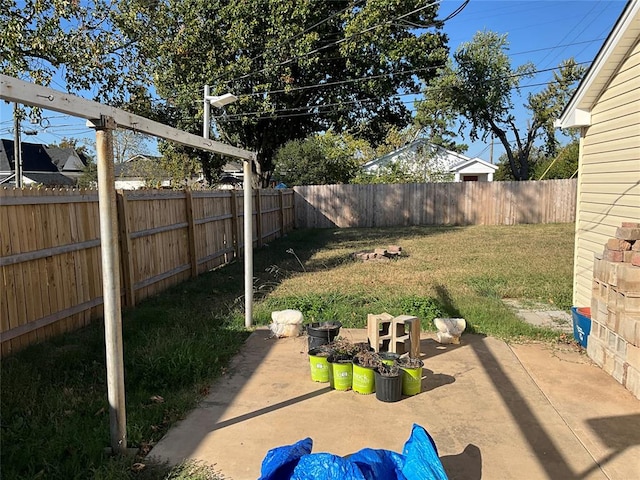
(419, 461)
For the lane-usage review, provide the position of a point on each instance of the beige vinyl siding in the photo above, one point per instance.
(609, 178)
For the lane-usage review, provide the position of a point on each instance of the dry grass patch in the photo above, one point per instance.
(463, 271)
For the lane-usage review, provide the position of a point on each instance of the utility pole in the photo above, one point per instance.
(17, 146)
(491, 150)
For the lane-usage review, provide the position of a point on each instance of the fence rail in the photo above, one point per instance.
(455, 203)
(50, 250)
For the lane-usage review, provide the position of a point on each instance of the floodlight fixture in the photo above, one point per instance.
(217, 101)
(220, 100)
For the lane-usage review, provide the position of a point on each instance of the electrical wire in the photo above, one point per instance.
(371, 77)
(342, 82)
(266, 115)
(566, 36)
(456, 12)
(558, 46)
(228, 116)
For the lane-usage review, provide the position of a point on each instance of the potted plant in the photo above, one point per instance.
(340, 363)
(322, 333)
(364, 364)
(318, 363)
(388, 383)
(412, 375)
(389, 358)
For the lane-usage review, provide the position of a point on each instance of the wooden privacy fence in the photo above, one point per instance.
(455, 203)
(50, 249)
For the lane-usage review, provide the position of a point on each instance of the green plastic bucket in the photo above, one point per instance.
(341, 376)
(389, 358)
(364, 379)
(412, 380)
(319, 366)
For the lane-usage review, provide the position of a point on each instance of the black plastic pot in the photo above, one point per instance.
(388, 389)
(321, 333)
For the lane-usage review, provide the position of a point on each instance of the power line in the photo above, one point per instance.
(342, 82)
(557, 46)
(371, 77)
(566, 36)
(228, 117)
(266, 115)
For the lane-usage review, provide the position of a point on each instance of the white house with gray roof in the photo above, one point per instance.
(436, 158)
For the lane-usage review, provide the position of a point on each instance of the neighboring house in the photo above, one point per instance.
(606, 109)
(463, 168)
(68, 161)
(140, 171)
(41, 165)
(232, 175)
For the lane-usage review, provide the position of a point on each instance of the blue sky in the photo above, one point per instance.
(544, 32)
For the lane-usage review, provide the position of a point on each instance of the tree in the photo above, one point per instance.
(127, 144)
(80, 41)
(89, 177)
(318, 160)
(436, 120)
(183, 169)
(564, 165)
(84, 149)
(536, 156)
(396, 138)
(298, 68)
(478, 85)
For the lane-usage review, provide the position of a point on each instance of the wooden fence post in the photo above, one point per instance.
(191, 227)
(126, 248)
(235, 225)
(259, 216)
(281, 212)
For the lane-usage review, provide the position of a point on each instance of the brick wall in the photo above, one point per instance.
(614, 341)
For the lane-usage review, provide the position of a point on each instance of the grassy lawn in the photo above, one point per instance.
(453, 271)
(54, 416)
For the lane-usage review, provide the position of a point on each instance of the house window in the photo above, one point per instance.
(470, 178)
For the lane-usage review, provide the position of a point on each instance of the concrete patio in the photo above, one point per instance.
(495, 411)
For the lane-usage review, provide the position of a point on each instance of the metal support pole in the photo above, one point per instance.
(220, 101)
(17, 147)
(207, 112)
(248, 245)
(111, 283)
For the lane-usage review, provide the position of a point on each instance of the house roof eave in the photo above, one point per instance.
(460, 166)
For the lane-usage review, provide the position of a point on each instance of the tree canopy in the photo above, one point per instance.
(320, 159)
(298, 68)
(80, 41)
(478, 85)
